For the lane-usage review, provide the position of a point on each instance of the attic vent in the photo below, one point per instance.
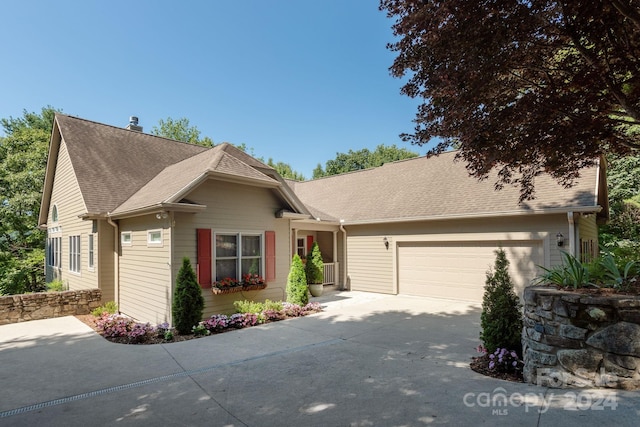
(133, 124)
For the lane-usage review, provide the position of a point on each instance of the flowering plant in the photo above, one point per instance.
(504, 360)
(252, 279)
(227, 282)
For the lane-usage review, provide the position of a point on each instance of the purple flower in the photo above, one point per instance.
(515, 363)
(491, 365)
(513, 354)
(491, 356)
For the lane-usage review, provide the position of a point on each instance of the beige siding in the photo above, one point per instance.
(234, 208)
(66, 196)
(105, 260)
(372, 268)
(145, 271)
(588, 232)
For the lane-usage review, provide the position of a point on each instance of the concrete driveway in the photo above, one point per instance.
(367, 360)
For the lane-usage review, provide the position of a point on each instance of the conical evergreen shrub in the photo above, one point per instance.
(501, 318)
(188, 303)
(314, 268)
(297, 291)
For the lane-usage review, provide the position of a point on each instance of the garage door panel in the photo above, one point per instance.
(458, 269)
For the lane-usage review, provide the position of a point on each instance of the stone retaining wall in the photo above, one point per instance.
(581, 340)
(44, 305)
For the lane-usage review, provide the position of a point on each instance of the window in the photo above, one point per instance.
(125, 238)
(54, 214)
(91, 251)
(238, 254)
(54, 248)
(74, 254)
(301, 251)
(154, 238)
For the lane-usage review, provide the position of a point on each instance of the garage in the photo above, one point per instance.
(458, 269)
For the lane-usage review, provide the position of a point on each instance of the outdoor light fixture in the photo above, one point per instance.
(161, 215)
(560, 239)
(386, 242)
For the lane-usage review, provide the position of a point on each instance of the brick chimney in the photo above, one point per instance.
(133, 124)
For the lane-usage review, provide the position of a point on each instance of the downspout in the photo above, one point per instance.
(344, 255)
(116, 260)
(572, 234)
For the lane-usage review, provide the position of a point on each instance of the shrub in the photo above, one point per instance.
(188, 303)
(314, 267)
(109, 307)
(297, 291)
(216, 323)
(56, 286)
(501, 321)
(571, 273)
(248, 306)
(503, 360)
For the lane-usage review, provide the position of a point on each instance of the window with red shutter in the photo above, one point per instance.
(203, 266)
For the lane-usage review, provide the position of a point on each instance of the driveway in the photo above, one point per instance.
(367, 360)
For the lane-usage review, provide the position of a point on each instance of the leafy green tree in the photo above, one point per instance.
(501, 321)
(523, 87)
(297, 291)
(188, 303)
(362, 159)
(314, 268)
(285, 170)
(23, 159)
(181, 130)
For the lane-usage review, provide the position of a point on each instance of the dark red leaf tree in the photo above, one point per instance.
(523, 87)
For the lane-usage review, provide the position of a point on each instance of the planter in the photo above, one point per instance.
(577, 339)
(234, 289)
(316, 289)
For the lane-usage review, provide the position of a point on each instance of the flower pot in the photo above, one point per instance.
(316, 289)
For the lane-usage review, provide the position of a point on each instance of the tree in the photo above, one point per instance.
(314, 267)
(362, 159)
(181, 130)
(297, 292)
(285, 170)
(23, 159)
(188, 303)
(523, 87)
(501, 321)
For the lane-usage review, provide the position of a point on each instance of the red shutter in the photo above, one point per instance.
(270, 255)
(204, 257)
(309, 244)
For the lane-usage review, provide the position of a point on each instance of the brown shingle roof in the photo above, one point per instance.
(430, 188)
(112, 163)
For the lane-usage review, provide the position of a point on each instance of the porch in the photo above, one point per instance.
(327, 239)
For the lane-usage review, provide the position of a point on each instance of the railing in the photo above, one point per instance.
(330, 271)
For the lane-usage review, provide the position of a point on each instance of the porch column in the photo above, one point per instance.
(336, 264)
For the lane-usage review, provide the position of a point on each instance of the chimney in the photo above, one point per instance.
(133, 124)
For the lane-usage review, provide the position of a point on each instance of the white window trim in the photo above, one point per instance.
(239, 258)
(151, 243)
(91, 252)
(122, 241)
(75, 253)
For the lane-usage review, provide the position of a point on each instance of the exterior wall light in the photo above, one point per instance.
(161, 215)
(560, 239)
(386, 242)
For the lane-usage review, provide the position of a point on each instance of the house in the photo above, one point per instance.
(122, 208)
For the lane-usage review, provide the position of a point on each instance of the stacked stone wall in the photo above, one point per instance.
(45, 305)
(584, 340)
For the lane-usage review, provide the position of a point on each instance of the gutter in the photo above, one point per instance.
(116, 260)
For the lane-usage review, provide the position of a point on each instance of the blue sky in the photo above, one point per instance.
(297, 81)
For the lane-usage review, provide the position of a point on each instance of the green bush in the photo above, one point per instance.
(501, 319)
(247, 306)
(314, 267)
(297, 291)
(188, 303)
(56, 286)
(108, 307)
(571, 273)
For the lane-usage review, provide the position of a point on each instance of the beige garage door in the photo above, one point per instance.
(458, 269)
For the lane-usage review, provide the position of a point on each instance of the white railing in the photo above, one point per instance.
(329, 271)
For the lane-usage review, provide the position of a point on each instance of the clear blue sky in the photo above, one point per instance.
(297, 81)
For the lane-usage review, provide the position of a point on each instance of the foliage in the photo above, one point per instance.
(503, 360)
(119, 326)
(297, 291)
(188, 303)
(227, 282)
(362, 159)
(314, 267)
(256, 307)
(252, 279)
(501, 321)
(110, 307)
(570, 273)
(56, 286)
(285, 170)
(521, 86)
(181, 130)
(23, 158)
